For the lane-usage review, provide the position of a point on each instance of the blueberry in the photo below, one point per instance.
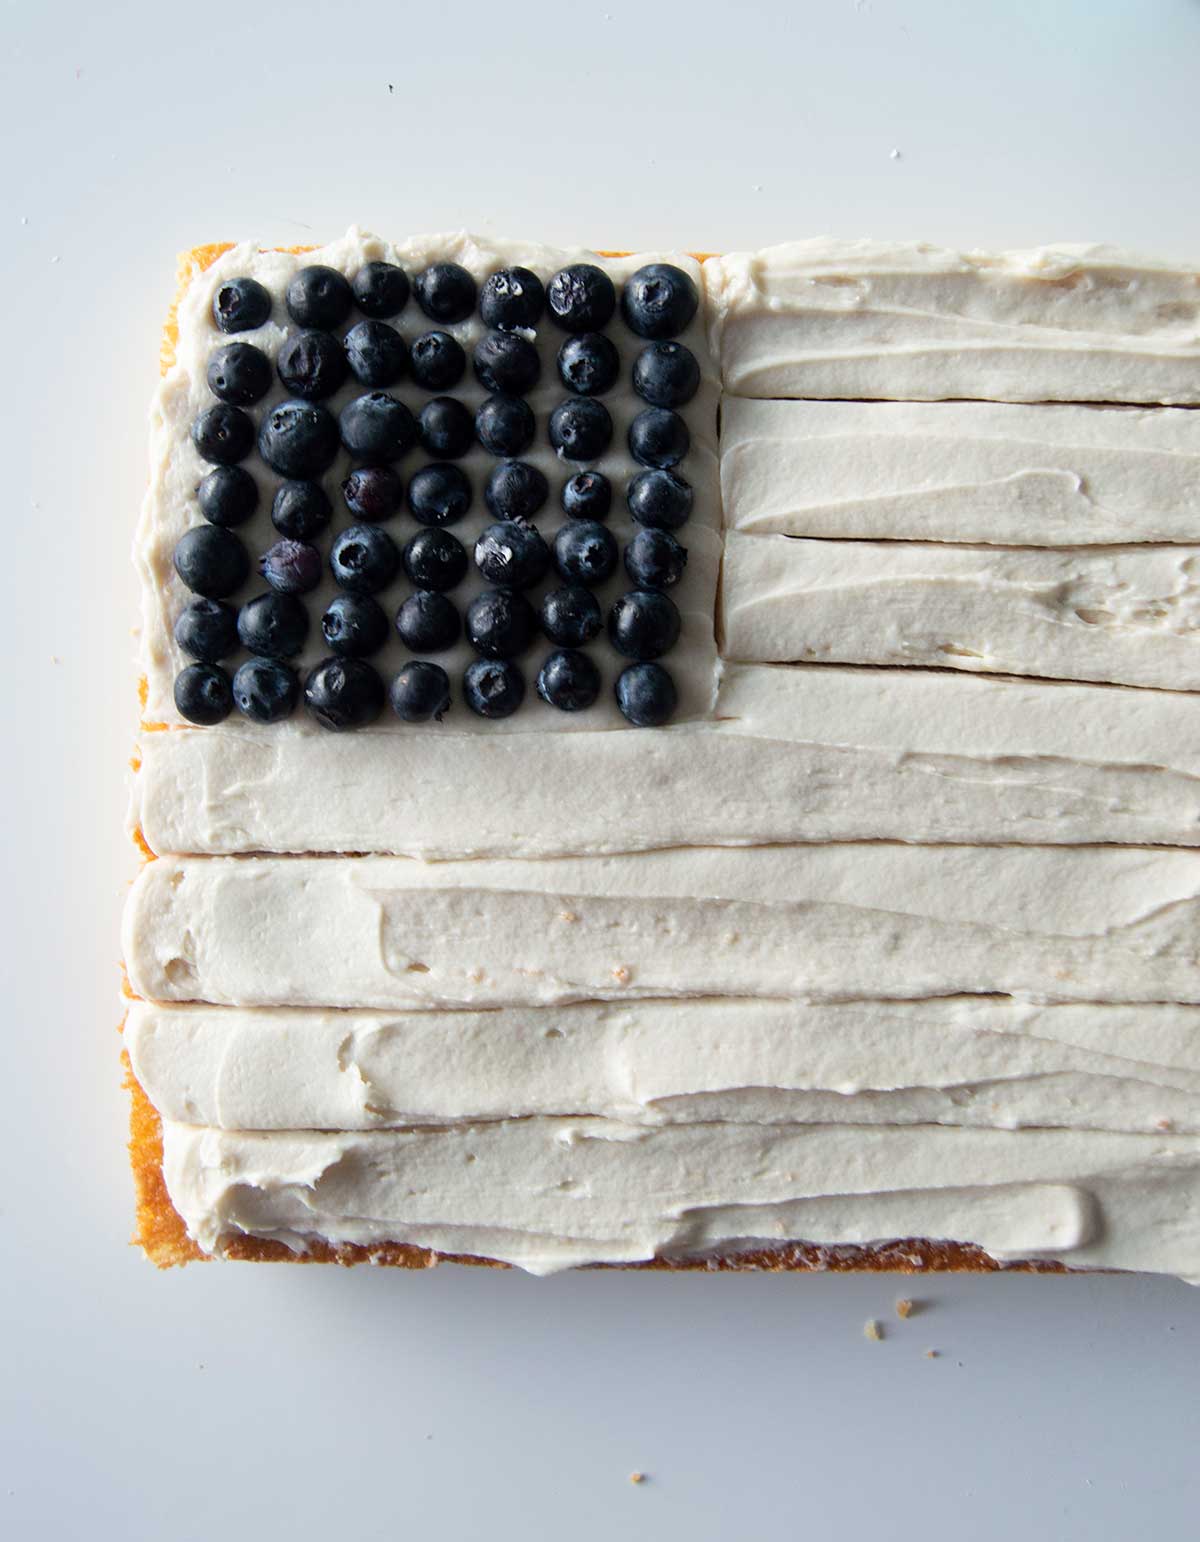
(420, 691)
(666, 374)
(646, 695)
(505, 425)
(654, 560)
(239, 373)
(658, 300)
(298, 439)
(434, 559)
(588, 495)
(223, 434)
(211, 561)
(439, 495)
(376, 353)
(428, 622)
(437, 362)
(265, 690)
(515, 490)
(658, 438)
(372, 492)
(377, 427)
(318, 297)
(512, 555)
(343, 693)
(241, 305)
(202, 694)
(493, 688)
(585, 552)
(581, 298)
(589, 364)
(580, 429)
(363, 559)
(291, 567)
(354, 626)
(659, 499)
(445, 292)
(445, 428)
(512, 298)
(228, 495)
(312, 365)
(643, 624)
(571, 616)
(568, 680)
(500, 624)
(207, 629)
(274, 625)
(506, 363)
(380, 290)
(300, 509)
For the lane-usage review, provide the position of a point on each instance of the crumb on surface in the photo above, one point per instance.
(872, 1330)
(637, 1477)
(621, 974)
(931, 1354)
(904, 1307)
(567, 915)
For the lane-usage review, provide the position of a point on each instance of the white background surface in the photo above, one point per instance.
(265, 1402)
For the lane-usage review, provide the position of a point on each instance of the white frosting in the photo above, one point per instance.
(869, 320)
(1124, 614)
(961, 471)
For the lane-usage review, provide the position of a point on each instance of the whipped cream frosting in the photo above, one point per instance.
(992, 472)
(870, 320)
(1125, 614)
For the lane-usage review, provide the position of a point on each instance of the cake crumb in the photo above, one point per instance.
(872, 1330)
(904, 1307)
(621, 975)
(1164, 1124)
(637, 1477)
(567, 915)
(931, 1354)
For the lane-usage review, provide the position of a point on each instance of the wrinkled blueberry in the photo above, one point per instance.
(646, 695)
(493, 688)
(203, 694)
(506, 363)
(436, 361)
(207, 629)
(376, 353)
(580, 429)
(568, 680)
(439, 495)
(380, 290)
(228, 495)
(265, 690)
(428, 622)
(445, 428)
(512, 298)
(239, 373)
(343, 693)
(363, 559)
(515, 490)
(312, 365)
(581, 298)
(643, 624)
(585, 552)
(354, 626)
(318, 297)
(658, 438)
(571, 616)
(376, 427)
(298, 439)
(445, 292)
(241, 305)
(300, 509)
(666, 374)
(654, 560)
(223, 434)
(512, 555)
(419, 692)
(589, 364)
(211, 561)
(505, 425)
(658, 300)
(274, 625)
(291, 567)
(659, 499)
(500, 624)
(434, 559)
(588, 495)
(372, 492)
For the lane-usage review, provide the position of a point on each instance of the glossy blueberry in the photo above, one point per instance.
(428, 622)
(376, 427)
(228, 495)
(211, 561)
(568, 680)
(300, 509)
(439, 495)
(588, 495)
(363, 559)
(581, 298)
(580, 429)
(654, 560)
(239, 373)
(354, 626)
(512, 555)
(291, 567)
(203, 694)
(500, 624)
(372, 492)
(506, 363)
(646, 695)
(658, 438)
(434, 559)
(376, 353)
(343, 693)
(493, 688)
(265, 690)
(207, 629)
(666, 374)
(512, 298)
(318, 297)
(437, 362)
(241, 305)
(274, 625)
(298, 439)
(312, 365)
(643, 624)
(658, 300)
(420, 691)
(445, 428)
(505, 425)
(445, 292)
(380, 290)
(515, 490)
(571, 616)
(223, 434)
(659, 499)
(589, 364)
(585, 552)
